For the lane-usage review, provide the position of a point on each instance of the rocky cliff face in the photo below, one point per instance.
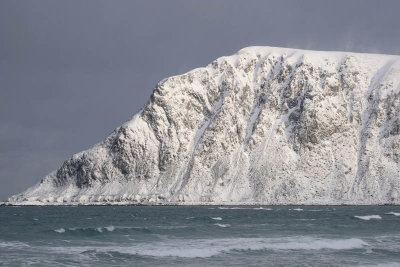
(266, 125)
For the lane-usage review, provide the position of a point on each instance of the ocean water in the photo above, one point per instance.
(200, 236)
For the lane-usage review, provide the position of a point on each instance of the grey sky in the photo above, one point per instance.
(72, 71)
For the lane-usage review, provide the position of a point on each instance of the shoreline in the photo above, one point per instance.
(171, 204)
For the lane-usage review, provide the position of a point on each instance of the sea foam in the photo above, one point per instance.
(204, 248)
(222, 225)
(13, 244)
(243, 208)
(369, 217)
(110, 228)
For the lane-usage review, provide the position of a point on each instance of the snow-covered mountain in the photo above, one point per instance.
(266, 125)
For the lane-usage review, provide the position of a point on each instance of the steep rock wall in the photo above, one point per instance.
(266, 125)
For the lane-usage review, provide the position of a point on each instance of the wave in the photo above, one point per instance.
(393, 213)
(222, 225)
(110, 228)
(298, 209)
(167, 227)
(98, 229)
(232, 208)
(13, 244)
(216, 218)
(387, 264)
(243, 208)
(204, 248)
(369, 217)
(261, 208)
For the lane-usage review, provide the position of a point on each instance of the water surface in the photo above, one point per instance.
(200, 235)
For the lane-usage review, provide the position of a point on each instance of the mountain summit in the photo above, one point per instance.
(266, 125)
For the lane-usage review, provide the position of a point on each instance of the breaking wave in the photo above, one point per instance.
(243, 208)
(204, 248)
(222, 225)
(110, 228)
(369, 217)
(393, 213)
(107, 229)
(13, 244)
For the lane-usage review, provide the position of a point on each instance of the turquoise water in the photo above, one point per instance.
(200, 236)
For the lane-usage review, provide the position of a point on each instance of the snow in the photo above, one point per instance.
(267, 125)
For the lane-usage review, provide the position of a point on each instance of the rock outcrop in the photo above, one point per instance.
(266, 125)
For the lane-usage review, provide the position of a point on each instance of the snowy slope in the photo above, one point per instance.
(266, 125)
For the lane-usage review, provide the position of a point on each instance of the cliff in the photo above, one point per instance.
(266, 125)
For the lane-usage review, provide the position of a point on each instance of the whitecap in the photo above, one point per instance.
(13, 244)
(204, 248)
(222, 225)
(393, 213)
(298, 209)
(110, 228)
(61, 230)
(189, 218)
(243, 208)
(369, 217)
(168, 227)
(216, 218)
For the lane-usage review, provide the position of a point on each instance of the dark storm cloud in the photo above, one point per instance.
(72, 71)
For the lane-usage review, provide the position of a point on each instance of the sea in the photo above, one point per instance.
(200, 236)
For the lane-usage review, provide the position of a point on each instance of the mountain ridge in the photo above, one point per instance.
(266, 125)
